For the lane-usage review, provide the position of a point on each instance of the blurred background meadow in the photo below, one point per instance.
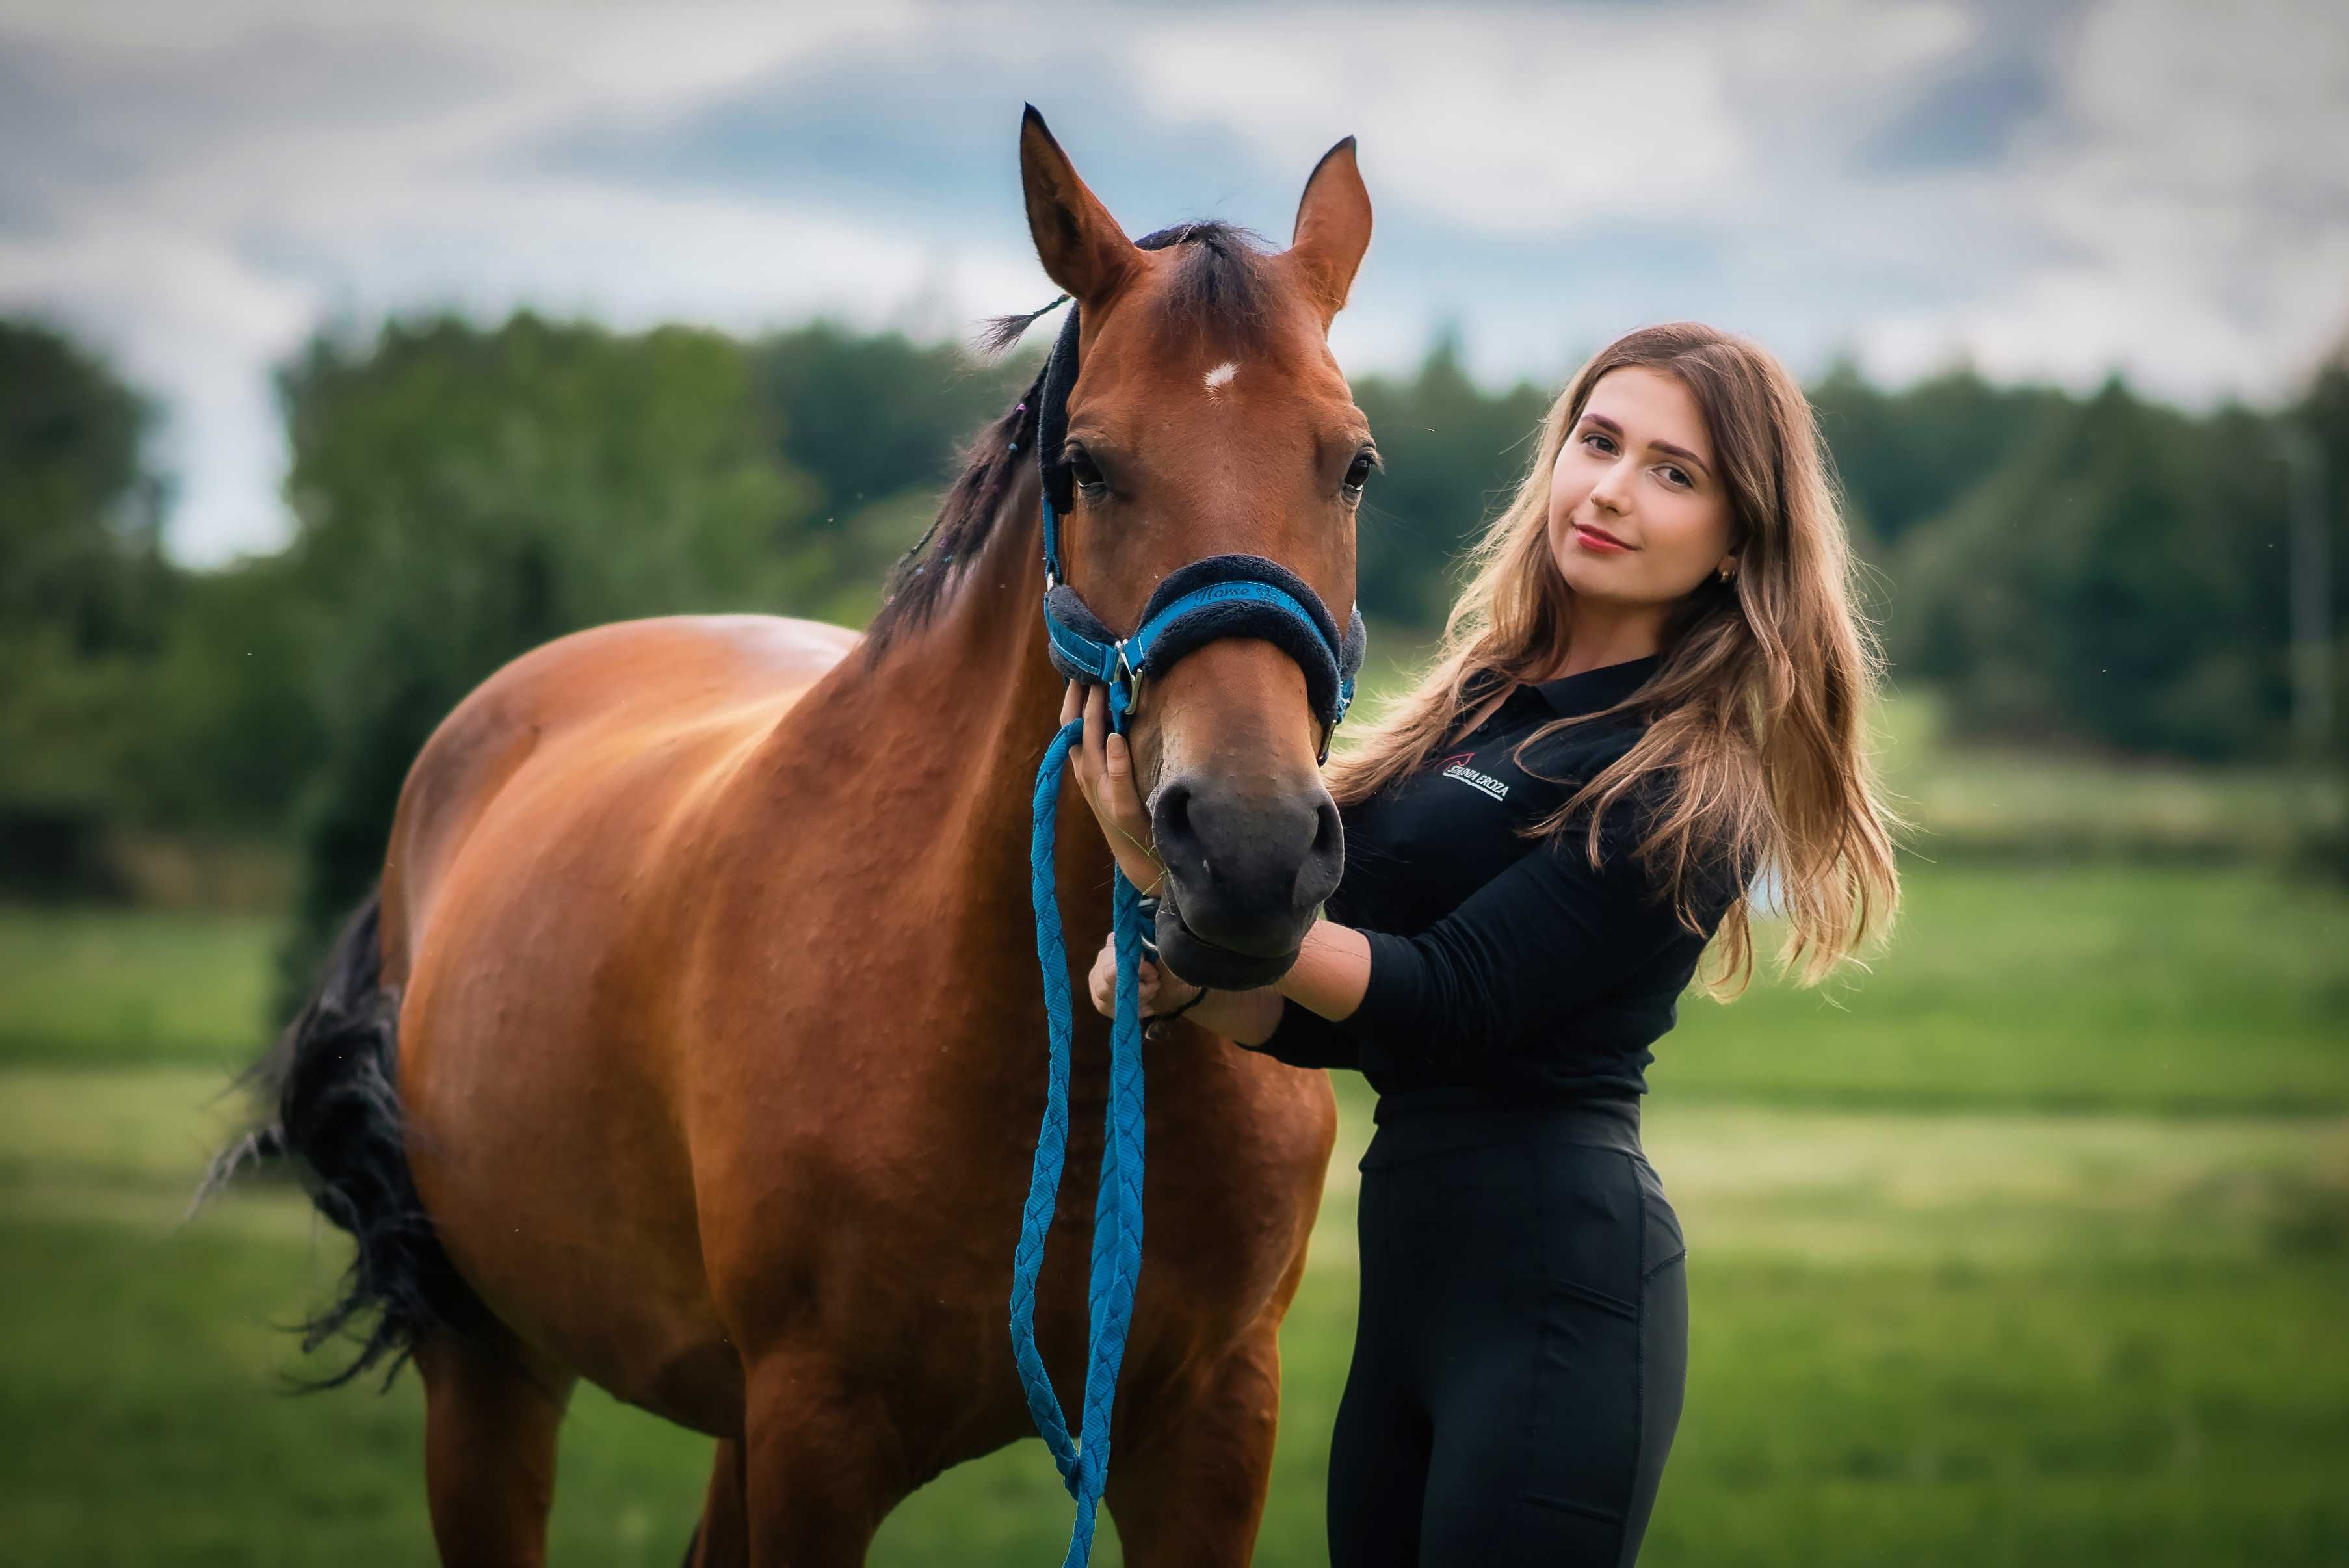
(346, 352)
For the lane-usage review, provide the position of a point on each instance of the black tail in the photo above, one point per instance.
(330, 1089)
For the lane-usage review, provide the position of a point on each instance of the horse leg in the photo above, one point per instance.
(1189, 1486)
(722, 1540)
(490, 1414)
(824, 1466)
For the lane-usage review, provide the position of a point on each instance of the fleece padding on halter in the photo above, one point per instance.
(1221, 596)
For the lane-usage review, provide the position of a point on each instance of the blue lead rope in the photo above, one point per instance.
(1220, 596)
(1117, 1213)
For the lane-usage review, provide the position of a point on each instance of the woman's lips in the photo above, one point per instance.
(1595, 539)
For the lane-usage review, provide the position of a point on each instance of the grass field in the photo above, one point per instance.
(2030, 1249)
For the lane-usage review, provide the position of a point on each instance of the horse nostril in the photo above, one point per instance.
(1329, 837)
(1318, 874)
(1170, 819)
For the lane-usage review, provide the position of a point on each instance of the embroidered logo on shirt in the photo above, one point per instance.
(1456, 767)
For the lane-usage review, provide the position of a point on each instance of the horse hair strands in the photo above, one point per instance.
(331, 1086)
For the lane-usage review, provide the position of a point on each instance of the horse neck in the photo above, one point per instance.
(976, 699)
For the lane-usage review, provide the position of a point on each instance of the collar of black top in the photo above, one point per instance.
(1592, 690)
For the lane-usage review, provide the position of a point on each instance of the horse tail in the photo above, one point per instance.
(329, 1089)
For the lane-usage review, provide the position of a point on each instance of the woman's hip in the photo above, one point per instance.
(1469, 1216)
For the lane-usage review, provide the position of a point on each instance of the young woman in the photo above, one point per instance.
(1655, 684)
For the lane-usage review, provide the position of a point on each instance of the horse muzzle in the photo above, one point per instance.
(1246, 878)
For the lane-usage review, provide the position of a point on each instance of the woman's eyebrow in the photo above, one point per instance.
(1616, 431)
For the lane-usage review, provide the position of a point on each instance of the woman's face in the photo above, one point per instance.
(1637, 513)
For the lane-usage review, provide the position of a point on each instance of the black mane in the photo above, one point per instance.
(1221, 286)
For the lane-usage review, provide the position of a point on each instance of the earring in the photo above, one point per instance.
(1724, 574)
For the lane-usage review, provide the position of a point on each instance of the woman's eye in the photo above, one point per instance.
(1679, 478)
(1604, 444)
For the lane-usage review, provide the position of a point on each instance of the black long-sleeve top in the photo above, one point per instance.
(1500, 964)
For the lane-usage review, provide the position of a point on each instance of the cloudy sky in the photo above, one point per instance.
(2054, 188)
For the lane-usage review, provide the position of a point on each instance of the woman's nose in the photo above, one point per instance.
(1612, 489)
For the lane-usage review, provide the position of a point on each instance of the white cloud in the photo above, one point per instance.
(1522, 120)
(224, 178)
(2192, 226)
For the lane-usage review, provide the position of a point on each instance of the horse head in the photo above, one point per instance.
(1208, 419)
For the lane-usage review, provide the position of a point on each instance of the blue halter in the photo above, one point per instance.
(1222, 596)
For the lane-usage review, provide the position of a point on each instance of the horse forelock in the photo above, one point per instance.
(1219, 286)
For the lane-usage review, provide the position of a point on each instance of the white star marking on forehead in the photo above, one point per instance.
(1221, 375)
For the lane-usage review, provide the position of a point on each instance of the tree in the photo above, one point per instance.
(869, 418)
(1905, 458)
(876, 424)
(2118, 578)
(1454, 456)
(80, 517)
(462, 496)
(83, 587)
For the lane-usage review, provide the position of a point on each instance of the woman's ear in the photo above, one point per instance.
(1081, 245)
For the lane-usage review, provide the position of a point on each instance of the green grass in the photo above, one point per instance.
(2172, 1412)
(1920, 1339)
(2097, 986)
(2051, 802)
(104, 988)
(2032, 1251)
(2201, 989)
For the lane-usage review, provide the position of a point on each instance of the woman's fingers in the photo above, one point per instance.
(1073, 705)
(1096, 730)
(1117, 781)
(1085, 757)
(1101, 984)
(1104, 766)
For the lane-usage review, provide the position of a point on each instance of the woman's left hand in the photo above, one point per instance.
(1104, 770)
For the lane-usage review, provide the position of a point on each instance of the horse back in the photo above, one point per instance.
(697, 688)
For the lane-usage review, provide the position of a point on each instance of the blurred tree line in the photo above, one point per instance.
(2104, 570)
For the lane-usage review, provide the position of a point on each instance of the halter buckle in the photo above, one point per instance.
(1132, 678)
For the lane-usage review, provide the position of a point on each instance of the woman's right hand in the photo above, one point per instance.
(1103, 981)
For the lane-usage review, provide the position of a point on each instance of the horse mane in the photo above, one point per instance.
(1221, 286)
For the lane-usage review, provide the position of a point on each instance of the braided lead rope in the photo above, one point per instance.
(1117, 1218)
(1052, 1135)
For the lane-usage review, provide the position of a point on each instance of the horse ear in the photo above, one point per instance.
(1081, 245)
(1333, 228)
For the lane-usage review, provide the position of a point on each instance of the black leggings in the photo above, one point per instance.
(1523, 1341)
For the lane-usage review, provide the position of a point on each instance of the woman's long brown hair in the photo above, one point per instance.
(1759, 715)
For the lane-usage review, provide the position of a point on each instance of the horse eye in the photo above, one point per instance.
(1083, 469)
(1358, 474)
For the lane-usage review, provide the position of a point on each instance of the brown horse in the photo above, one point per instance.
(707, 949)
